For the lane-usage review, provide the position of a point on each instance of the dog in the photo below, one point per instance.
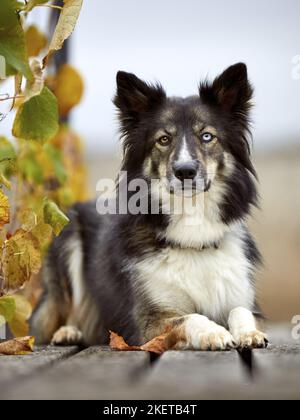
(190, 272)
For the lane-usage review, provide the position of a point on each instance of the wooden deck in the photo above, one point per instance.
(99, 373)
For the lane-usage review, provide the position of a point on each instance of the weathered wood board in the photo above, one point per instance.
(99, 373)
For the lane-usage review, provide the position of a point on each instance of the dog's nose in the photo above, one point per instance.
(185, 170)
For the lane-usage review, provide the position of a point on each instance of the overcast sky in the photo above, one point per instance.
(181, 42)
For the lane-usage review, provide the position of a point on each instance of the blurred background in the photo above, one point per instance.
(179, 43)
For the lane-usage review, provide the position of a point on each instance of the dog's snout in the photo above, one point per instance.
(185, 170)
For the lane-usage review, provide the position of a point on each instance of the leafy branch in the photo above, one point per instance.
(43, 165)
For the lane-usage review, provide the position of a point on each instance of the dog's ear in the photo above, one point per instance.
(135, 97)
(231, 90)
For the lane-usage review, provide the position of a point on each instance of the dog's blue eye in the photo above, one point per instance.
(206, 137)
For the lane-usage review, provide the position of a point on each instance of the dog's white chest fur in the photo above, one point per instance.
(211, 282)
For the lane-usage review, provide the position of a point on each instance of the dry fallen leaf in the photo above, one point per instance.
(156, 345)
(118, 343)
(17, 346)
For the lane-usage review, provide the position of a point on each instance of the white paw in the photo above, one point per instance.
(216, 340)
(203, 334)
(251, 340)
(67, 336)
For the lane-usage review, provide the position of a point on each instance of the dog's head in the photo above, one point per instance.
(196, 143)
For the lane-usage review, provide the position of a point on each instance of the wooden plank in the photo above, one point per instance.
(14, 367)
(206, 375)
(277, 373)
(99, 373)
(96, 373)
(194, 375)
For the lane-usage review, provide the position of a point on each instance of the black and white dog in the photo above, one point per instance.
(191, 270)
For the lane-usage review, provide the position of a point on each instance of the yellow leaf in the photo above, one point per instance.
(20, 258)
(28, 219)
(7, 308)
(4, 181)
(2, 320)
(4, 209)
(68, 89)
(32, 222)
(36, 41)
(65, 26)
(43, 233)
(71, 147)
(35, 86)
(18, 324)
(17, 346)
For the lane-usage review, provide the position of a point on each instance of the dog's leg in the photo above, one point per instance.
(67, 336)
(242, 325)
(46, 320)
(53, 309)
(195, 332)
(69, 333)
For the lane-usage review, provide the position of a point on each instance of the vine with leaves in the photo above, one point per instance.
(41, 168)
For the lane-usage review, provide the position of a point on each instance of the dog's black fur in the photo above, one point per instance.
(111, 245)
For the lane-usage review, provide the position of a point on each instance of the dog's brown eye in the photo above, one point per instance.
(207, 137)
(164, 141)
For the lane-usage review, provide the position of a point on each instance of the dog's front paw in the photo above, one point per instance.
(251, 340)
(199, 333)
(216, 340)
(67, 336)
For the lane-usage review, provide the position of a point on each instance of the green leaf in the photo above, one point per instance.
(18, 5)
(37, 118)
(31, 169)
(12, 40)
(7, 151)
(55, 156)
(18, 324)
(7, 308)
(8, 161)
(7, 157)
(54, 217)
